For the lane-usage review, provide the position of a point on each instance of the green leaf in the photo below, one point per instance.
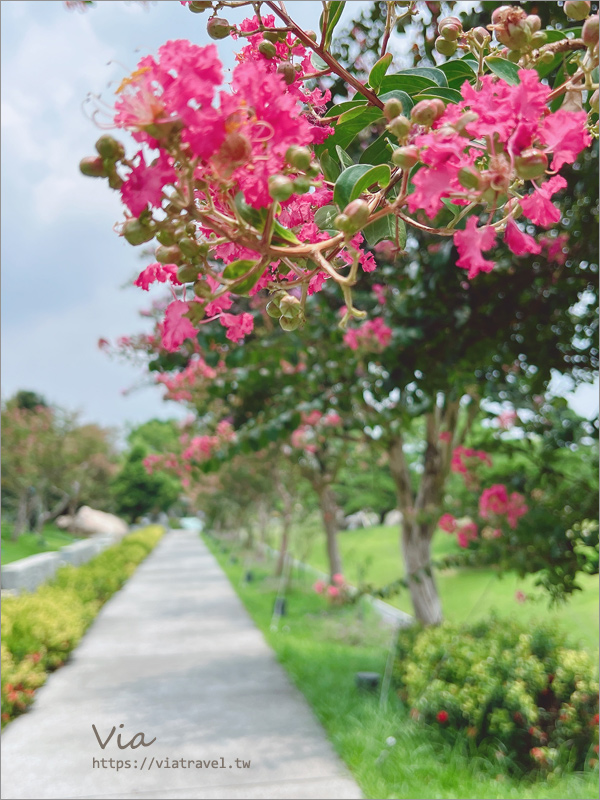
(335, 12)
(343, 156)
(379, 152)
(347, 127)
(356, 179)
(331, 169)
(431, 73)
(285, 234)
(385, 228)
(458, 71)
(338, 109)
(250, 215)
(411, 84)
(318, 62)
(378, 72)
(324, 217)
(240, 271)
(447, 95)
(504, 69)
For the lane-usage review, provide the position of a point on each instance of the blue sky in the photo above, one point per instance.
(63, 266)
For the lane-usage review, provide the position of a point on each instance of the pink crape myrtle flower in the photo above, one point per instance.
(495, 501)
(507, 419)
(176, 328)
(333, 591)
(338, 579)
(238, 325)
(156, 273)
(466, 531)
(520, 243)
(470, 243)
(447, 522)
(319, 587)
(373, 336)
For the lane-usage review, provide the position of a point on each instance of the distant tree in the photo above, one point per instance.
(136, 493)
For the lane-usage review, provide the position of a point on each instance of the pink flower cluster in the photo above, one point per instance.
(465, 529)
(334, 590)
(179, 386)
(311, 431)
(464, 460)
(511, 135)
(496, 502)
(373, 336)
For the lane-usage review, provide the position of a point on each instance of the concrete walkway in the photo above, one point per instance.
(175, 656)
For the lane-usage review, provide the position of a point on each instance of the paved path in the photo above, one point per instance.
(173, 655)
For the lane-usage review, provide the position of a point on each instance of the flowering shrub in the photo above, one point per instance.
(40, 629)
(250, 192)
(338, 592)
(520, 691)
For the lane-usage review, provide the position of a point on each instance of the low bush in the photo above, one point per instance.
(523, 693)
(40, 629)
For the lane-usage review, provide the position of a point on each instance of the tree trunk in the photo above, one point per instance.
(416, 549)
(328, 512)
(22, 516)
(283, 548)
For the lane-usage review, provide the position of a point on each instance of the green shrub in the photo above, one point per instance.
(40, 629)
(520, 691)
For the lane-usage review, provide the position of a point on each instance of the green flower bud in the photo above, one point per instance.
(298, 157)
(425, 112)
(311, 35)
(531, 164)
(92, 167)
(480, 35)
(202, 289)
(165, 237)
(203, 249)
(287, 72)
(267, 49)
(218, 28)
(534, 22)
(445, 47)
(290, 306)
(135, 233)
(110, 148)
(469, 178)
(200, 6)
(539, 39)
(589, 32)
(195, 313)
(392, 108)
(280, 188)
(290, 324)
(400, 126)
(405, 157)
(450, 28)
(577, 9)
(274, 36)
(514, 56)
(114, 180)
(302, 185)
(168, 255)
(594, 101)
(188, 247)
(546, 57)
(357, 213)
(187, 274)
(273, 310)
(342, 223)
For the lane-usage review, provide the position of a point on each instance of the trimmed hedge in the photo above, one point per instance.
(520, 692)
(40, 629)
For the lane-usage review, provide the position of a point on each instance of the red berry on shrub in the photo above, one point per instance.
(442, 716)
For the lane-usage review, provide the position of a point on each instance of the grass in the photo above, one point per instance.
(372, 555)
(322, 648)
(28, 544)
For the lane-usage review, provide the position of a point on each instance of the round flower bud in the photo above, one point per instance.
(289, 324)
(480, 35)
(202, 289)
(218, 28)
(273, 310)
(534, 22)
(399, 126)
(469, 178)
(280, 187)
(114, 180)
(342, 223)
(392, 108)
(267, 49)
(449, 21)
(311, 35)
(302, 185)
(513, 207)
(187, 274)
(165, 237)
(275, 36)
(531, 164)
(498, 14)
(92, 167)
(358, 213)
(110, 148)
(450, 28)
(445, 47)
(200, 6)
(195, 313)
(187, 246)
(290, 306)
(577, 9)
(168, 255)
(594, 101)
(425, 112)
(405, 157)
(547, 57)
(539, 39)
(589, 33)
(298, 157)
(135, 233)
(287, 71)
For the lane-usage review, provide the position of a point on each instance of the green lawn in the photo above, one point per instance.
(28, 544)
(373, 555)
(322, 648)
